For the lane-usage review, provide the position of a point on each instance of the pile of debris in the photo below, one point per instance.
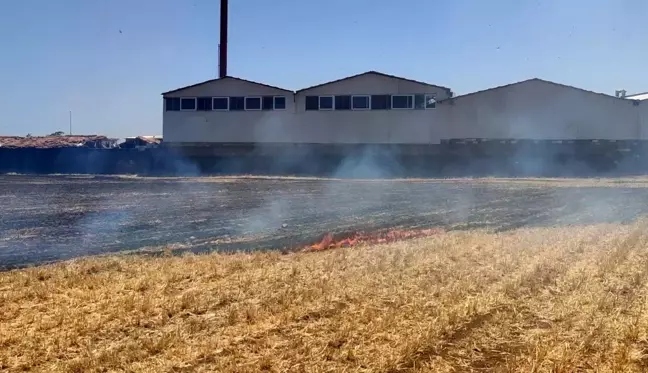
(140, 142)
(51, 142)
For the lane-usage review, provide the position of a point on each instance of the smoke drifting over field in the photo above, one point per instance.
(54, 218)
(88, 216)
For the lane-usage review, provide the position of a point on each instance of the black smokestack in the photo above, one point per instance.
(222, 50)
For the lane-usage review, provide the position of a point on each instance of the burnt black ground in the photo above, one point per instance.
(45, 218)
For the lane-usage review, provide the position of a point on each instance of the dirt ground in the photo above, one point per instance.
(559, 299)
(49, 218)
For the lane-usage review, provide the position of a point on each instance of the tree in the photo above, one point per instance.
(58, 133)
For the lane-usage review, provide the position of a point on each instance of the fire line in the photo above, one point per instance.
(330, 242)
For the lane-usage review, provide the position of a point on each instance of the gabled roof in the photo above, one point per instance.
(527, 81)
(379, 74)
(227, 77)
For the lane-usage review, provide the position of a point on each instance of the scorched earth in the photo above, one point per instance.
(50, 218)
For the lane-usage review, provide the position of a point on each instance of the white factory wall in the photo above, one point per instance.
(532, 109)
(295, 125)
(642, 113)
(229, 126)
(537, 109)
(370, 126)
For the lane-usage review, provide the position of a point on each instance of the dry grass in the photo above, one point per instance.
(551, 299)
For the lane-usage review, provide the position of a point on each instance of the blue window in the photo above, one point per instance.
(204, 103)
(236, 103)
(267, 103)
(326, 102)
(220, 103)
(343, 102)
(360, 102)
(419, 101)
(380, 102)
(188, 103)
(312, 103)
(253, 103)
(172, 103)
(402, 102)
(279, 102)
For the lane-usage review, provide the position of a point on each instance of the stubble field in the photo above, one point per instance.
(45, 219)
(526, 276)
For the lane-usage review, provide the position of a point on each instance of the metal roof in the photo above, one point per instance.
(379, 74)
(637, 96)
(227, 77)
(527, 81)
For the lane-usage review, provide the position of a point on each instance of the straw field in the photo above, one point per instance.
(559, 299)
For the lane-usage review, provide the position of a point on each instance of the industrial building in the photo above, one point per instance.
(225, 110)
(377, 108)
(369, 108)
(537, 109)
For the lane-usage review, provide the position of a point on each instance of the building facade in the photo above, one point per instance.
(369, 108)
(536, 109)
(227, 110)
(376, 108)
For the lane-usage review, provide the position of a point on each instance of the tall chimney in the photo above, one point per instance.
(222, 47)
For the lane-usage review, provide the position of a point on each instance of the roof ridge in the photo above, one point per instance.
(226, 77)
(376, 73)
(528, 80)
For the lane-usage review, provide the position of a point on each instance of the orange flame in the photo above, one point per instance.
(329, 242)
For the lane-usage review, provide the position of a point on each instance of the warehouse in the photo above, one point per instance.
(376, 108)
(537, 109)
(370, 108)
(226, 110)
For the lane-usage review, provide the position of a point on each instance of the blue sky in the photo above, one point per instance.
(70, 55)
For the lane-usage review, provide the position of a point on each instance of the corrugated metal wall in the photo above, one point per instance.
(541, 110)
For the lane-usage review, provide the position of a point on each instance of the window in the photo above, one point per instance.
(430, 101)
(220, 103)
(279, 103)
(342, 102)
(172, 104)
(187, 103)
(253, 103)
(380, 102)
(326, 102)
(268, 103)
(312, 103)
(419, 101)
(360, 102)
(237, 103)
(204, 103)
(402, 102)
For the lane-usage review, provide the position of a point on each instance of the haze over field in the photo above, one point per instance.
(54, 218)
